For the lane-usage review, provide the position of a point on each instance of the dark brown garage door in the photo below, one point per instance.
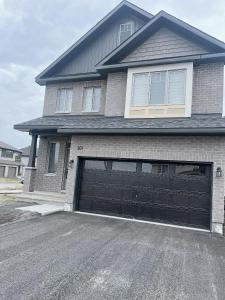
(176, 193)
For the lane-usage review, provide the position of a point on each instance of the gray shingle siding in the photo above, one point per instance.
(163, 44)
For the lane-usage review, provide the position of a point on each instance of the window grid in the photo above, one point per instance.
(125, 31)
(166, 86)
(95, 99)
(64, 100)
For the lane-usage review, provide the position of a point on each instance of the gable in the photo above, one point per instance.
(192, 42)
(164, 43)
(102, 44)
(78, 62)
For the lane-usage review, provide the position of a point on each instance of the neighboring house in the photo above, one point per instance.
(24, 158)
(10, 161)
(132, 123)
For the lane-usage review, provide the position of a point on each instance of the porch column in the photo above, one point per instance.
(33, 151)
(30, 170)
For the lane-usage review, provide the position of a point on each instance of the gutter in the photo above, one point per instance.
(156, 131)
(194, 58)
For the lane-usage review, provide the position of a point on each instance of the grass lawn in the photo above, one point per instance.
(17, 186)
(4, 199)
(9, 180)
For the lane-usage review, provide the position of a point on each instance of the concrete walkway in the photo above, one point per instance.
(43, 209)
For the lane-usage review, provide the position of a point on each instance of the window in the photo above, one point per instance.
(190, 170)
(126, 30)
(156, 88)
(95, 164)
(64, 101)
(53, 157)
(154, 168)
(124, 166)
(92, 99)
(7, 153)
(159, 91)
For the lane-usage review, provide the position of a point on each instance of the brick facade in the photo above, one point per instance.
(194, 149)
(44, 181)
(207, 92)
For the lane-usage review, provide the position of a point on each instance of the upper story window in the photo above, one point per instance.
(159, 91)
(126, 30)
(64, 100)
(163, 87)
(92, 99)
(7, 153)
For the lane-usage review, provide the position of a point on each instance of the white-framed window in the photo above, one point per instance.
(159, 87)
(91, 99)
(126, 30)
(53, 156)
(156, 87)
(64, 100)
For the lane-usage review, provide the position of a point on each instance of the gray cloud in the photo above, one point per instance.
(34, 33)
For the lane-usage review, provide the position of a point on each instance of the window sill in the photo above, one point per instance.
(62, 113)
(50, 174)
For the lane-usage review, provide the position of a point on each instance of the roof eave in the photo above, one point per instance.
(195, 58)
(149, 131)
(77, 77)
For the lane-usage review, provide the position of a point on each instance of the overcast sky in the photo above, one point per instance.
(35, 32)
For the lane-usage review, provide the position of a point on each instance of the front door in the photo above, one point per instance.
(66, 165)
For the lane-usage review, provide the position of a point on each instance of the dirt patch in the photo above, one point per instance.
(8, 211)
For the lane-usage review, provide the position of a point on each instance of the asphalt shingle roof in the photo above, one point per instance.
(8, 147)
(99, 123)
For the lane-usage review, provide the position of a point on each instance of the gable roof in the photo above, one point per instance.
(8, 147)
(122, 5)
(25, 151)
(161, 18)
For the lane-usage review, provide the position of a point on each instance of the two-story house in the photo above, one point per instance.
(10, 161)
(133, 123)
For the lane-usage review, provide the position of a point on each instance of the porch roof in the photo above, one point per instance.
(197, 124)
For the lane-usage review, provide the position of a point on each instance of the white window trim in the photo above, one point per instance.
(132, 29)
(189, 80)
(100, 105)
(70, 104)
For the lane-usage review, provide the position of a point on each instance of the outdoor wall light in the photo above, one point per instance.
(71, 162)
(219, 172)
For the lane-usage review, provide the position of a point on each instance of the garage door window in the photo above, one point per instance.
(95, 164)
(154, 168)
(190, 170)
(124, 166)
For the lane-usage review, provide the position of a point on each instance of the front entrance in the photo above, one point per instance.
(169, 192)
(66, 165)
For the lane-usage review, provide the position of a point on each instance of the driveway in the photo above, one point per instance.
(73, 256)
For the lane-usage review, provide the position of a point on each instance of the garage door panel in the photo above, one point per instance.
(190, 183)
(162, 192)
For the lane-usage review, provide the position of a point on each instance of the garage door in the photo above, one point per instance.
(176, 193)
(2, 171)
(12, 172)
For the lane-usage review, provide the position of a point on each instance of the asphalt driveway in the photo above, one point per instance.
(72, 256)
